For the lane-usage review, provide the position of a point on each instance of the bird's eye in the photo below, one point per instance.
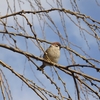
(56, 45)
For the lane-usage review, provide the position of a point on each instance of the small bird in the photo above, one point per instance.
(52, 54)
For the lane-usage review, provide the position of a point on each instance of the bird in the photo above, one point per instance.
(51, 54)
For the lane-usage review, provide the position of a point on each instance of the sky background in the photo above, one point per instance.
(18, 62)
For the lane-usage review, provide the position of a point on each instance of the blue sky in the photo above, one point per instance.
(18, 61)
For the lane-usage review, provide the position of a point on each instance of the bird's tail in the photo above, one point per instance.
(41, 67)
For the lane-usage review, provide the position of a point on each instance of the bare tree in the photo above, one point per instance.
(27, 27)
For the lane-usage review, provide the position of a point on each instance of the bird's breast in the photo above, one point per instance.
(53, 54)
